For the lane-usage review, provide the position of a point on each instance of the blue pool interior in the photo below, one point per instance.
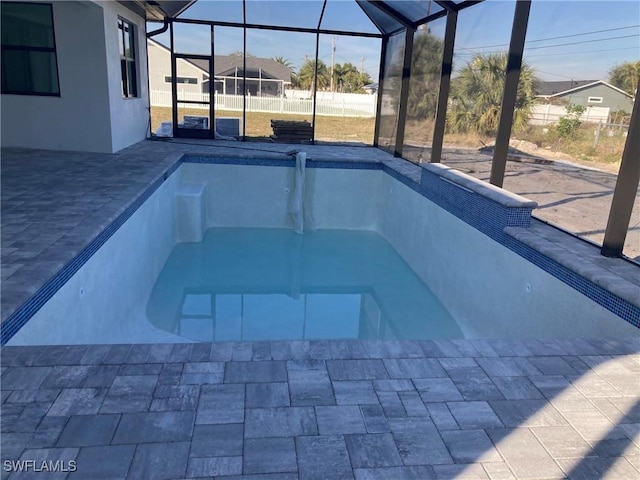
(387, 275)
(274, 284)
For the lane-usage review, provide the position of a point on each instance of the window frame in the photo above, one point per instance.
(124, 73)
(168, 79)
(23, 48)
(595, 99)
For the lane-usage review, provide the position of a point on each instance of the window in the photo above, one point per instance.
(594, 100)
(189, 80)
(29, 63)
(128, 59)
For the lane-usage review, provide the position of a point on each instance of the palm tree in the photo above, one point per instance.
(476, 97)
(341, 75)
(306, 75)
(626, 76)
(285, 62)
(424, 82)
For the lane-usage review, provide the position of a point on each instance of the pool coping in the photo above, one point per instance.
(612, 295)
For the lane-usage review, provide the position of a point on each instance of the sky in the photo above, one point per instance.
(594, 35)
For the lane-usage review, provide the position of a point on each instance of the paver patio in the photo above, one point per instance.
(574, 415)
(326, 409)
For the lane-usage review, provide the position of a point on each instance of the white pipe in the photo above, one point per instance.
(296, 206)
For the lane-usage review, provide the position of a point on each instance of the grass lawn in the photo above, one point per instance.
(333, 129)
(579, 148)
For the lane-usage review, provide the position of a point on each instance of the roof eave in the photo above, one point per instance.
(156, 11)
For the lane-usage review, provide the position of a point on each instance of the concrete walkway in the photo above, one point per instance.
(326, 410)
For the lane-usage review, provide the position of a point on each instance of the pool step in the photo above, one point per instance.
(190, 212)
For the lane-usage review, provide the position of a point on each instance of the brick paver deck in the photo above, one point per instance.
(327, 409)
(285, 410)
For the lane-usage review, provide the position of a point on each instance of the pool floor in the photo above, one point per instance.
(273, 284)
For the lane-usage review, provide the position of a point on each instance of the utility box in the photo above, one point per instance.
(229, 126)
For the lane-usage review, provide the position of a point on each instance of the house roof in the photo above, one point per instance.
(227, 64)
(577, 85)
(547, 89)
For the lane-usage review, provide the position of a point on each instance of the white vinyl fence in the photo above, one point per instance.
(339, 106)
(547, 114)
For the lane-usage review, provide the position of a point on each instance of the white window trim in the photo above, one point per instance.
(595, 100)
(133, 39)
(181, 76)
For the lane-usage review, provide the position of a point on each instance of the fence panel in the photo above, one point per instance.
(346, 105)
(547, 114)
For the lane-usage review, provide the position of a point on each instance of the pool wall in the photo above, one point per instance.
(115, 283)
(483, 284)
(259, 196)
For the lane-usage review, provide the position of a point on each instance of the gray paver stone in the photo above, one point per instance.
(280, 422)
(323, 458)
(473, 415)
(374, 419)
(160, 461)
(470, 446)
(414, 472)
(372, 450)
(106, 462)
(221, 404)
(269, 455)
(217, 440)
(88, 430)
(265, 395)
(154, 427)
(340, 420)
(214, 466)
(419, 442)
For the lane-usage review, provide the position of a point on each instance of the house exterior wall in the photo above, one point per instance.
(160, 67)
(79, 118)
(129, 117)
(610, 98)
(90, 114)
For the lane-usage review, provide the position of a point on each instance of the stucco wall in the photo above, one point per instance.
(79, 118)
(160, 66)
(90, 113)
(129, 116)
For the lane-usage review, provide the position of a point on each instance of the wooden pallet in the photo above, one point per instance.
(288, 131)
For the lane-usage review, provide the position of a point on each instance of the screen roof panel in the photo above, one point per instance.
(372, 16)
(215, 10)
(293, 13)
(346, 16)
(414, 10)
(384, 22)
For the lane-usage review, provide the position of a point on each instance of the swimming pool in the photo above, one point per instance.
(478, 287)
(273, 284)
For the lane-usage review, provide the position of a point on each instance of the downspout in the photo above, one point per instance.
(163, 29)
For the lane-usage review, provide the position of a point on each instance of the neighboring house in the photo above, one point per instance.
(74, 75)
(371, 88)
(190, 76)
(587, 93)
(265, 76)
